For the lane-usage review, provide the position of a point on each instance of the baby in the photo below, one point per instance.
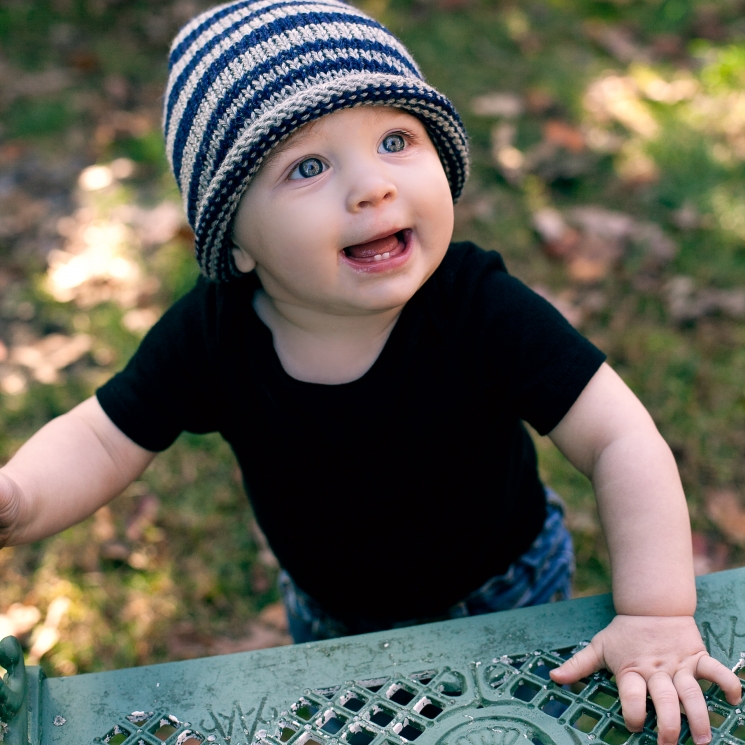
(372, 378)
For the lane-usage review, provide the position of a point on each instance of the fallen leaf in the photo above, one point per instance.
(724, 509)
(275, 616)
(668, 45)
(559, 240)
(260, 580)
(634, 166)
(47, 82)
(538, 101)
(507, 105)
(616, 97)
(582, 521)
(617, 41)
(104, 528)
(115, 551)
(687, 217)
(619, 226)
(590, 240)
(593, 257)
(18, 620)
(564, 134)
(551, 161)
(46, 357)
(47, 635)
(12, 383)
(687, 303)
(84, 61)
(143, 516)
(117, 87)
(155, 226)
(508, 159)
(140, 320)
(708, 24)
(709, 555)
(682, 88)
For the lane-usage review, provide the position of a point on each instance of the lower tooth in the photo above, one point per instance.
(387, 255)
(378, 257)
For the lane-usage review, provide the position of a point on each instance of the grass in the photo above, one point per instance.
(175, 562)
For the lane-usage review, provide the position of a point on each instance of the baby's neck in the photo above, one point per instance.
(323, 348)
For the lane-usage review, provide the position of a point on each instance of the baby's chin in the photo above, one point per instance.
(386, 301)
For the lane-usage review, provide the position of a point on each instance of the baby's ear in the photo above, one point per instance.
(243, 261)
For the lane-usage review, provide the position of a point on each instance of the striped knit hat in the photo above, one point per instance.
(246, 75)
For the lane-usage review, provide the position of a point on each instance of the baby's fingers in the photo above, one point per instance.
(632, 688)
(713, 670)
(695, 707)
(582, 664)
(667, 708)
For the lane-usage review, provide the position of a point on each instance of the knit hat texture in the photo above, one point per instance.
(245, 75)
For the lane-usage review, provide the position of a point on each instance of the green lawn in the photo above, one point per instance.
(609, 154)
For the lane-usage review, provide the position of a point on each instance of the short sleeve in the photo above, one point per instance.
(539, 361)
(169, 385)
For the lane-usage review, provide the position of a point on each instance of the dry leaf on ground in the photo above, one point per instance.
(687, 303)
(725, 509)
(47, 635)
(507, 105)
(709, 555)
(617, 41)
(143, 516)
(591, 239)
(564, 134)
(46, 357)
(275, 615)
(18, 620)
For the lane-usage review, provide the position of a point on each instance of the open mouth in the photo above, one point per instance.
(379, 250)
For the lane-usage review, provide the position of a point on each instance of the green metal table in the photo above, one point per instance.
(473, 681)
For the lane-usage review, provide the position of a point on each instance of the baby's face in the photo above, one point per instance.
(350, 216)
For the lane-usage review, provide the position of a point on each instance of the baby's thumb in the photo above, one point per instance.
(582, 664)
(9, 507)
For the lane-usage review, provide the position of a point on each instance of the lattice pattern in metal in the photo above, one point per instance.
(391, 710)
(505, 701)
(151, 728)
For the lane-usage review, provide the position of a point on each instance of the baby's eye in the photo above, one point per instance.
(307, 168)
(392, 144)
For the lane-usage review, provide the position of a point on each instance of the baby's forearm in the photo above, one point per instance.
(611, 438)
(645, 520)
(65, 472)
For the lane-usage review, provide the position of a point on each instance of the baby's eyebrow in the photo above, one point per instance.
(295, 139)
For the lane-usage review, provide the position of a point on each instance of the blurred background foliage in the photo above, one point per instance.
(609, 154)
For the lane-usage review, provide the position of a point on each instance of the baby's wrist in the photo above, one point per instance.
(655, 618)
(674, 599)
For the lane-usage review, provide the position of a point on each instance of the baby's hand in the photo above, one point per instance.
(664, 655)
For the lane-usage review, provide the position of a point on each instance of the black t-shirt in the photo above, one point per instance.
(395, 495)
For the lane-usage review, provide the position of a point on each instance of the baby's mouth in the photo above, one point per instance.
(380, 249)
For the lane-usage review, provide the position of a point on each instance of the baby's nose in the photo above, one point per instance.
(371, 191)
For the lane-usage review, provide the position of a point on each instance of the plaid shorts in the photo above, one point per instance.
(543, 574)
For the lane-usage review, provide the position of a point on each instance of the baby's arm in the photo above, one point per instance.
(65, 472)
(653, 643)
